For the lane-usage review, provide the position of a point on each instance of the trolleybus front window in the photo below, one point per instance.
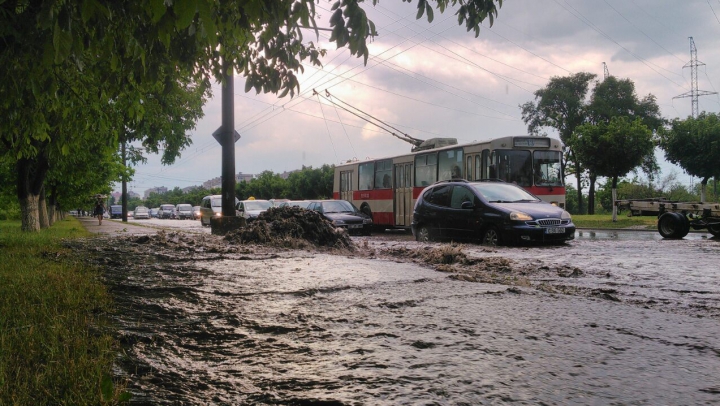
(547, 169)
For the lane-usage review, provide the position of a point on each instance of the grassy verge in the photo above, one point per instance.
(605, 221)
(54, 341)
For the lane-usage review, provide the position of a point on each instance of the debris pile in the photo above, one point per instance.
(292, 227)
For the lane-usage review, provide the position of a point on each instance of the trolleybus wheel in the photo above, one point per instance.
(673, 225)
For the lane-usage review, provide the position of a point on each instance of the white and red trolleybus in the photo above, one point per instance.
(387, 188)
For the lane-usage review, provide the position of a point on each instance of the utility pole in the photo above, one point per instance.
(606, 73)
(694, 92)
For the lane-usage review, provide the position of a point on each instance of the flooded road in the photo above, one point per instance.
(598, 321)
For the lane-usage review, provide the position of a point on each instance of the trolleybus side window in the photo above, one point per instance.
(366, 173)
(425, 169)
(478, 167)
(383, 174)
(450, 164)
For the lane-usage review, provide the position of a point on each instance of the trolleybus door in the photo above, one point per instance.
(346, 186)
(403, 188)
(470, 169)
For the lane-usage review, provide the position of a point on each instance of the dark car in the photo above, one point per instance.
(492, 212)
(343, 214)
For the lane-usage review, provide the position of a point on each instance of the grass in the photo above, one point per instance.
(601, 221)
(55, 346)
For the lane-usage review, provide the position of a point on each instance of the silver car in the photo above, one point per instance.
(141, 212)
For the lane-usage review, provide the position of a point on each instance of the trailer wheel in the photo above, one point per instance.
(673, 225)
(714, 230)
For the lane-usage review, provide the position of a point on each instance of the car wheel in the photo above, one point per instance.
(491, 236)
(423, 234)
(673, 225)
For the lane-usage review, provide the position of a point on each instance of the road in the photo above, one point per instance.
(610, 318)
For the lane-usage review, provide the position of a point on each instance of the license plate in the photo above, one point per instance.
(554, 230)
(355, 226)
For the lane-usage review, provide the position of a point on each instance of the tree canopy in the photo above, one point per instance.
(97, 71)
(694, 145)
(613, 149)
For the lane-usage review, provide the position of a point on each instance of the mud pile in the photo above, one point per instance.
(291, 227)
(452, 259)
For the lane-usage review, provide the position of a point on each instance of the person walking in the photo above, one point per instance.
(99, 211)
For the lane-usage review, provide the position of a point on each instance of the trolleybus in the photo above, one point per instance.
(387, 188)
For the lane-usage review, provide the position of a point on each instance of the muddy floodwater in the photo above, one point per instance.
(393, 322)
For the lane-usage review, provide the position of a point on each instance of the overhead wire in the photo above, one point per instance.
(587, 22)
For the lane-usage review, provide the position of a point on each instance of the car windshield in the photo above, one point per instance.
(217, 202)
(141, 210)
(184, 207)
(167, 207)
(303, 204)
(503, 193)
(338, 206)
(258, 205)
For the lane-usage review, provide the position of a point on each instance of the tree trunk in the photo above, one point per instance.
(30, 219)
(579, 188)
(52, 205)
(42, 210)
(30, 177)
(591, 194)
(614, 198)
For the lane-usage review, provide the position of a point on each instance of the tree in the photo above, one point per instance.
(74, 59)
(617, 98)
(561, 105)
(694, 145)
(612, 149)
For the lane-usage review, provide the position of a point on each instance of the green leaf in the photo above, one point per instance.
(429, 10)
(62, 42)
(157, 10)
(184, 13)
(421, 9)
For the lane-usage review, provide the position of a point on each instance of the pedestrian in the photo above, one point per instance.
(99, 211)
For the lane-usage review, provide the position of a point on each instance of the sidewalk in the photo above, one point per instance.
(114, 227)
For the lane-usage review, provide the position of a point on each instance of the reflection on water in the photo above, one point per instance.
(299, 328)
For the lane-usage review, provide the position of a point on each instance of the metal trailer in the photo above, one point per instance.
(676, 218)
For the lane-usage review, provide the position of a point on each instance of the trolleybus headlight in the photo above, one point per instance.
(518, 215)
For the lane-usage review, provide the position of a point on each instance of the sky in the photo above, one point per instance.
(438, 80)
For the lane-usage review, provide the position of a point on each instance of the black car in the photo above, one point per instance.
(492, 212)
(343, 214)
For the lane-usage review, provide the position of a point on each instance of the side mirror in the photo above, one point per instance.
(467, 205)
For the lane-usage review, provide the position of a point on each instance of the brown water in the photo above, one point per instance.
(598, 321)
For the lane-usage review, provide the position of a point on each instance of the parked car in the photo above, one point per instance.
(492, 212)
(167, 211)
(211, 206)
(184, 211)
(115, 211)
(343, 214)
(141, 212)
(154, 212)
(296, 203)
(250, 209)
(196, 212)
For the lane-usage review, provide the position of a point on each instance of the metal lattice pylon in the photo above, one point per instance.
(694, 92)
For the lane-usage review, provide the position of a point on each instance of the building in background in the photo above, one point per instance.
(158, 190)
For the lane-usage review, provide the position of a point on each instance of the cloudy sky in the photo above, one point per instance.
(437, 80)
